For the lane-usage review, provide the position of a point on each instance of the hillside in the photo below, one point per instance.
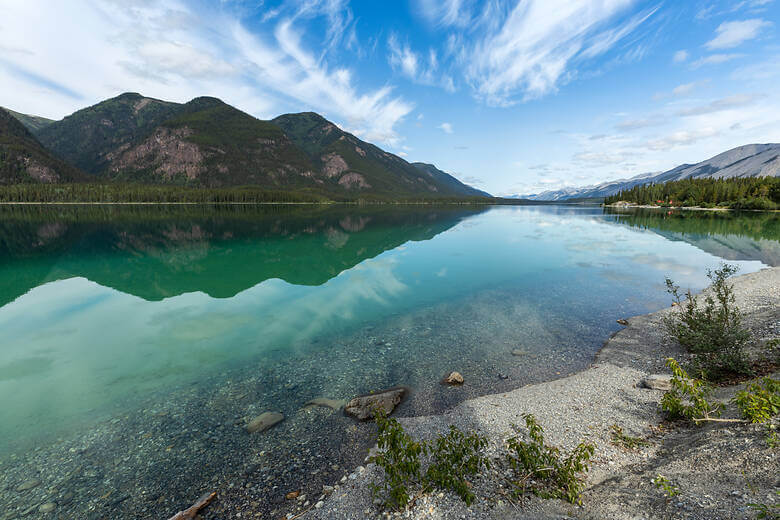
(23, 160)
(208, 143)
(752, 160)
(90, 138)
(32, 123)
(343, 159)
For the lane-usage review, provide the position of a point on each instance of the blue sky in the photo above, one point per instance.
(513, 96)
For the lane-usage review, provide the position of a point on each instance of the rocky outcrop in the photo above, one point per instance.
(353, 180)
(363, 407)
(40, 172)
(333, 165)
(167, 151)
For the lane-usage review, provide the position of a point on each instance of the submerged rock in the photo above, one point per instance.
(657, 382)
(24, 486)
(48, 507)
(519, 352)
(362, 407)
(453, 378)
(335, 404)
(264, 421)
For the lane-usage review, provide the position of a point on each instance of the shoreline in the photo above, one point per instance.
(687, 208)
(584, 406)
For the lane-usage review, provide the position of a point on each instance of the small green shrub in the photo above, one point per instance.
(543, 469)
(760, 401)
(626, 441)
(455, 457)
(713, 330)
(766, 511)
(399, 457)
(688, 397)
(663, 483)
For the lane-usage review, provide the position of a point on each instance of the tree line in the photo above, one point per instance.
(761, 193)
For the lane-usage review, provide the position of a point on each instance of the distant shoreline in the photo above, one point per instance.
(687, 208)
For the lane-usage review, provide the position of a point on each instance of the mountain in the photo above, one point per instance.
(450, 181)
(24, 160)
(208, 143)
(32, 123)
(90, 138)
(340, 157)
(751, 160)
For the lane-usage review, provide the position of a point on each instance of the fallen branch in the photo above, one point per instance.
(189, 513)
(713, 419)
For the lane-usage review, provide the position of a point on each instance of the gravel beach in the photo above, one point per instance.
(718, 468)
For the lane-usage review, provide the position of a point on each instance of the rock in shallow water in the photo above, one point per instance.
(48, 507)
(335, 404)
(453, 378)
(362, 407)
(264, 421)
(24, 486)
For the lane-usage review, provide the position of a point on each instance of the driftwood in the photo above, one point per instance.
(190, 512)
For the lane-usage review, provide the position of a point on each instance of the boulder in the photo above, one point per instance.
(623, 322)
(362, 407)
(453, 378)
(264, 421)
(657, 382)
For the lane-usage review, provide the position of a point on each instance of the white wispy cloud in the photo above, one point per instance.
(733, 34)
(726, 103)
(446, 128)
(419, 69)
(538, 45)
(715, 59)
(168, 50)
(680, 56)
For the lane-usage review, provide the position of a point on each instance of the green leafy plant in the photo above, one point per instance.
(760, 401)
(688, 398)
(543, 469)
(619, 438)
(766, 511)
(663, 483)
(457, 456)
(399, 458)
(712, 329)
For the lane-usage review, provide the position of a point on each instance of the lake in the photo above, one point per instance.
(136, 341)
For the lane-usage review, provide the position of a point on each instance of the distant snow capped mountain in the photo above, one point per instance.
(750, 160)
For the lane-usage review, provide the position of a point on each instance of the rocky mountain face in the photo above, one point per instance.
(24, 160)
(751, 160)
(207, 143)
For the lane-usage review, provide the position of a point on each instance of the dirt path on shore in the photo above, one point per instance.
(718, 470)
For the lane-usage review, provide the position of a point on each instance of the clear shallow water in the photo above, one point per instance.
(137, 341)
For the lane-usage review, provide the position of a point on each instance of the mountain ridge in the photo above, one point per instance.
(207, 143)
(750, 160)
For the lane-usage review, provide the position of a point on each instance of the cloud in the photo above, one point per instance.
(446, 128)
(735, 101)
(600, 158)
(680, 56)
(539, 44)
(446, 13)
(732, 34)
(636, 124)
(418, 69)
(680, 138)
(715, 59)
(171, 51)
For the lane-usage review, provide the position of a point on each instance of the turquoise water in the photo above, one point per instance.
(120, 325)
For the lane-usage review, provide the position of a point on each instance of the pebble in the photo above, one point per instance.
(319, 505)
(28, 485)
